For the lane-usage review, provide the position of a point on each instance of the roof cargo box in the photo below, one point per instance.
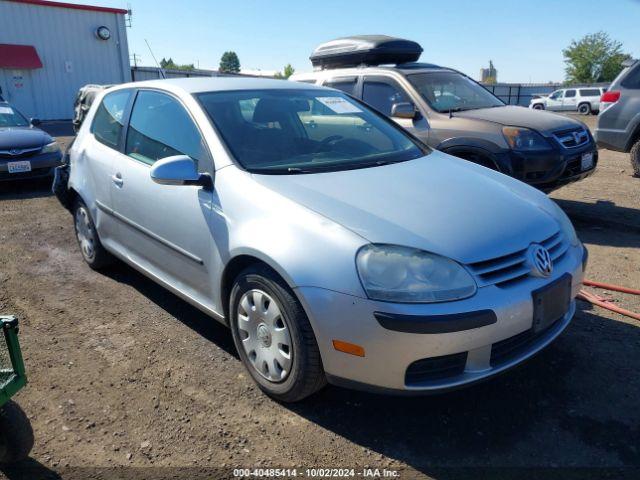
(364, 49)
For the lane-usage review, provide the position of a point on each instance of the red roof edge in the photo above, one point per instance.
(19, 56)
(73, 6)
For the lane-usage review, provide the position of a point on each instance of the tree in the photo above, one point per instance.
(171, 65)
(229, 63)
(287, 72)
(594, 58)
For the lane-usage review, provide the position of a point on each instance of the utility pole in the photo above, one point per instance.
(135, 58)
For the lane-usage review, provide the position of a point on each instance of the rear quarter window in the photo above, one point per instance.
(632, 80)
(590, 92)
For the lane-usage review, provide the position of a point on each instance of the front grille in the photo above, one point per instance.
(19, 153)
(512, 347)
(574, 167)
(572, 138)
(509, 268)
(435, 368)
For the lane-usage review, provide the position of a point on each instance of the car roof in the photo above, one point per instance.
(404, 68)
(216, 84)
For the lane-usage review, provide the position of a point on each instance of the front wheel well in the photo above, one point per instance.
(231, 271)
(475, 157)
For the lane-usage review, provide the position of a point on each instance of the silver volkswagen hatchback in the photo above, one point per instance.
(335, 246)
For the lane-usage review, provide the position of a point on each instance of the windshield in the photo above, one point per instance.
(11, 118)
(305, 131)
(451, 91)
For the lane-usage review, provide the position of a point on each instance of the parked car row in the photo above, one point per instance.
(331, 228)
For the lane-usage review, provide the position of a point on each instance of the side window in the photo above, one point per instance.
(569, 94)
(590, 92)
(556, 95)
(108, 121)
(632, 80)
(382, 94)
(160, 127)
(347, 85)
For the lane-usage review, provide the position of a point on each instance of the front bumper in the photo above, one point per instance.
(548, 170)
(389, 354)
(42, 165)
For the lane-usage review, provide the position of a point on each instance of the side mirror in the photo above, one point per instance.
(35, 122)
(178, 170)
(404, 110)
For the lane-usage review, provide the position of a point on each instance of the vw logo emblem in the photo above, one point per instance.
(15, 151)
(577, 136)
(539, 261)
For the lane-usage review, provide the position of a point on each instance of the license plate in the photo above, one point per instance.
(586, 162)
(19, 167)
(551, 302)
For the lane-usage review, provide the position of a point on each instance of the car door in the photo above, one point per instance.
(94, 154)
(164, 228)
(569, 102)
(382, 92)
(554, 101)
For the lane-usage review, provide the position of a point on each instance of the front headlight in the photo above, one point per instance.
(401, 274)
(51, 147)
(565, 224)
(524, 139)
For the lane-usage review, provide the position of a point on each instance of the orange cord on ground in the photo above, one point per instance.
(603, 302)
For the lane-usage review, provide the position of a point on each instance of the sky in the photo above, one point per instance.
(523, 38)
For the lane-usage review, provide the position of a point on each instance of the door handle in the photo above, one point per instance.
(117, 179)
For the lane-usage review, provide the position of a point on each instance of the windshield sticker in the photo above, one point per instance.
(6, 110)
(339, 105)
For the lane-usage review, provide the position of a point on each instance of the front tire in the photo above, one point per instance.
(273, 336)
(88, 240)
(584, 109)
(16, 434)
(538, 106)
(635, 158)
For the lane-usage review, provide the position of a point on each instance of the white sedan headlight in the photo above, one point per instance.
(51, 147)
(393, 273)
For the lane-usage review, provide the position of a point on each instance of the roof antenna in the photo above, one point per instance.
(164, 77)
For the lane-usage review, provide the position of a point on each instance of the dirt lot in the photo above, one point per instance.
(123, 373)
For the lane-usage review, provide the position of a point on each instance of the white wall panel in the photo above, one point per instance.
(71, 54)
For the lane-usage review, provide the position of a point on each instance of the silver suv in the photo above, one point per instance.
(583, 100)
(451, 112)
(618, 125)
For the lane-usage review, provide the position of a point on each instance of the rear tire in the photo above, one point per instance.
(16, 434)
(257, 333)
(635, 158)
(88, 240)
(584, 108)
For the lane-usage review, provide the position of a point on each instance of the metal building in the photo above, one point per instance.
(48, 50)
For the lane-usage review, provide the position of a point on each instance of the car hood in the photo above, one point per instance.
(437, 203)
(23, 137)
(539, 120)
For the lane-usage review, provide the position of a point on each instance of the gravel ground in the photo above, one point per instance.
(124, 374)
